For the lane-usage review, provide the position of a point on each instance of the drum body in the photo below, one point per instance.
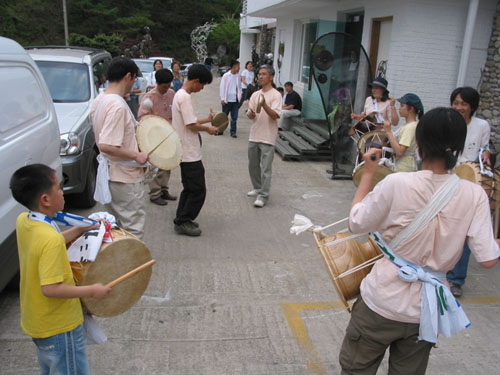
(471, 171)
(115, 259)
(362, 127)
(343, 256)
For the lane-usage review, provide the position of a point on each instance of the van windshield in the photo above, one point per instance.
(67, 82)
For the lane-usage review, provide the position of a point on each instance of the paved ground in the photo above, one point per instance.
(247, 297)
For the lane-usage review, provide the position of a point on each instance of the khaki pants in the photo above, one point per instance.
(159, 183)
(369, 334)
(128, 206)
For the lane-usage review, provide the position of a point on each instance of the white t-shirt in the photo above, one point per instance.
(183, 115)
(249, 76)
(233, 87)
(478, 135)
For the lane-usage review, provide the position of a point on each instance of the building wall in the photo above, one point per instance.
(426, 42)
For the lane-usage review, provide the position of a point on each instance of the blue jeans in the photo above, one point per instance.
(232, 107)
(63, 354)
(458, 274)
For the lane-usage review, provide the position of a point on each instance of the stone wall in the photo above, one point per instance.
(489, 107)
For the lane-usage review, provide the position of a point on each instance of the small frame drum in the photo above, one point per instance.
(115, 259)
(348, 262)
(381, 172)
(157, 138)
(220, 121)
(472, 172)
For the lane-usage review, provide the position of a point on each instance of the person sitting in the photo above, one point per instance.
(292, 106)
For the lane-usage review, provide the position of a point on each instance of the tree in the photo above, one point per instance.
(226, 33)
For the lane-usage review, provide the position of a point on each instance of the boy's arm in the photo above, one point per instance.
(61, 290)
(73, 233)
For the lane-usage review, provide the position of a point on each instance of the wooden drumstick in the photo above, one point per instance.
(130, 273)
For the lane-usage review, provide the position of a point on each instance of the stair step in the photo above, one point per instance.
(312, 137)
(286, 151)
(298, 143)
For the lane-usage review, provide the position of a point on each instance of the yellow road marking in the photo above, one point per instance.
(299, 329)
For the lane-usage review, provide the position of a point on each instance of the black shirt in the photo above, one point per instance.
(294, 98)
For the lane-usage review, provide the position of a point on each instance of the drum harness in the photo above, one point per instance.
(440, 313)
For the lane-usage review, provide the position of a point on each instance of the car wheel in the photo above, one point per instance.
(85, 199)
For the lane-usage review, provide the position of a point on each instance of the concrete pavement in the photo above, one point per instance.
(247, 297)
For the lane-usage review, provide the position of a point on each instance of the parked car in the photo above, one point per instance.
(74, 76)
(29, 134)
(167, 61)
(185, 68)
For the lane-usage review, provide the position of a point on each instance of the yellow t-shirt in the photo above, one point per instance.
(43, 261)
(407, 162)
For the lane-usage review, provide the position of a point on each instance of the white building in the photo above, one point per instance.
(429, 46)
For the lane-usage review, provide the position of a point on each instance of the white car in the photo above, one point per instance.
(29, 134)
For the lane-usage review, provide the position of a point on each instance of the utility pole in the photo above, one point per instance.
(65, 23)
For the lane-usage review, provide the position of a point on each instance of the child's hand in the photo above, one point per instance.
(100, 291)
(387, 126)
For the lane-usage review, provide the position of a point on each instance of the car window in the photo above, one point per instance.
(67, 82)
(100, 70)
(145, 66)
(25, 99)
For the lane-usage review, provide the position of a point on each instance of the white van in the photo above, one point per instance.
(29, 134)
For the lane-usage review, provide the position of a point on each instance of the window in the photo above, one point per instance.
(67, 82)
(309, 31)
(26, 102)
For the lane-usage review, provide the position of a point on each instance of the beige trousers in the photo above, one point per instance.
(159, 183)
(129, 206)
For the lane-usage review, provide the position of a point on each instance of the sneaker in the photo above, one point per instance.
(159, 201)
(188, 229)
(234, 136)
(456, 290)
(253, 193)
(259, 202)
(195, 224)
(167, 196)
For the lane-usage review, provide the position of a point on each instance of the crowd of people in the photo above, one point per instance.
(390, 310)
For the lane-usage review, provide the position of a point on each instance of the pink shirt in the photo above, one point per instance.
(183, 115)
(114, 125)
(162, 104)
(391, 206)
(265, 129)
(384, 108)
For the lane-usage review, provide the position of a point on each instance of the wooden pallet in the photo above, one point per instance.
(286, 151)
(300, 144)
(312, 137)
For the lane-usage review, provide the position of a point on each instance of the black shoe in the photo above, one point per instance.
(195, 224)
(234, 136)
(159, 201)
(456, 290)
(188, 229)
(167, 196)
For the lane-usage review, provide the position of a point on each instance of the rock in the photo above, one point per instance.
(487, 114)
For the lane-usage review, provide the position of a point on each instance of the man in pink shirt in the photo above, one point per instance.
(188, 127)
(263, 135)
(389, 312)
(161, 98)
(114, 129)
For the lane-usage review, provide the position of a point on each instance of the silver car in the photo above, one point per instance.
(74, 76)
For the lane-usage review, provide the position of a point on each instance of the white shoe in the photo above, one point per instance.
(253, 193)
(259, 203)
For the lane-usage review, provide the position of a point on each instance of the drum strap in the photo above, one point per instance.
(440, 312)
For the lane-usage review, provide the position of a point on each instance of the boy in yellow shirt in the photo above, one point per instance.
(51, 312)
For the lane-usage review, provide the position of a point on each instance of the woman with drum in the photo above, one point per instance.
(378, 107)
(404, 302)
(466, 100)
(405, 149)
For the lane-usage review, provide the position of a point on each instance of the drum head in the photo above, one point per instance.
(114, 260)
(373, 139)
(380, 174)
(220, 121)
(153, 130)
